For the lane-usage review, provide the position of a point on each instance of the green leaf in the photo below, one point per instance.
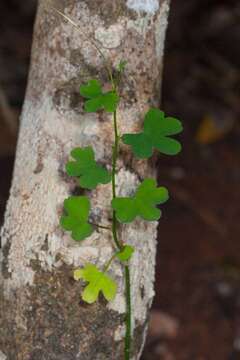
(76, 220)
(84, 167)
(98, 100)
(91, 90)
(143, 204)
(156, 134)
(97, 281)
(126, 253)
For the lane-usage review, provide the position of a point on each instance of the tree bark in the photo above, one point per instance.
(41, 314)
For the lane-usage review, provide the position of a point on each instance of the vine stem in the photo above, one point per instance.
(114, 163)
(119, 244)
(128, 320)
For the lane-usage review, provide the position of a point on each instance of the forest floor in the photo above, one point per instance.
(196, 311)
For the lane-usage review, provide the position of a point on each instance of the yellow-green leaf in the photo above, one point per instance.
(98, 281)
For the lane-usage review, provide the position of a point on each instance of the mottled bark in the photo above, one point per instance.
(41, 315)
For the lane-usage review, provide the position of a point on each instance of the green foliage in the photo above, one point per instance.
(143, 204)
(156, 132)
(126, 253)
(97, 99)
(85, 167)
(97, 281)
(76, 220)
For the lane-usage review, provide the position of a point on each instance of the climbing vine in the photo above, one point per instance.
(156, 134)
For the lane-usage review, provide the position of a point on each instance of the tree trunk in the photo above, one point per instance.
(41, 315)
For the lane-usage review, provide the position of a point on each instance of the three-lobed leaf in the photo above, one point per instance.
(98, 281)
(143, 204)
(156, 134)
(126, 253)
(84, 167)
(77, 210)
(97, 99)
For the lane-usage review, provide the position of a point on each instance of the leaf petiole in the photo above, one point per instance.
(100, 226)
(108, 264)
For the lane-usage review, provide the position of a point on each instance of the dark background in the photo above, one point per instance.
(196, 312)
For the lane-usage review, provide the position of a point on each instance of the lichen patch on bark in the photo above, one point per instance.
(2, 356)
(111, 37)
(109, 11)
(148, 6)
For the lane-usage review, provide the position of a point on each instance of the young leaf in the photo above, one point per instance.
(143, 204)
(98, 100)
(77, 209)
(156, 134)
(84, 167)
(126, 253)
(97, 281)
